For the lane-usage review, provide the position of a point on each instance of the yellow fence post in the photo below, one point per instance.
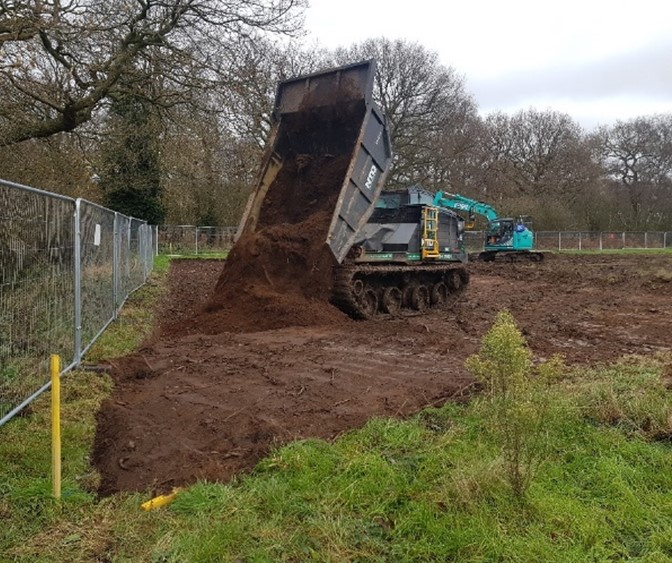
(55, 368)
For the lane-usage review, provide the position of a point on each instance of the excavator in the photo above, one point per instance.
(506, 238)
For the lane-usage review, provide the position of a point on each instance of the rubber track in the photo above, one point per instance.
(512, 256)
(342, 295)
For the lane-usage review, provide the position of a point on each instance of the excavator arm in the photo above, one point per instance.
(461, 203)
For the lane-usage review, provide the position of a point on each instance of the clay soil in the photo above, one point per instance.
(206, 399)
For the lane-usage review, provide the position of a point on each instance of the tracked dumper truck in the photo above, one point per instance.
(395, 252)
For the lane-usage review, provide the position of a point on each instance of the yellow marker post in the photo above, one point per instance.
(55, 368)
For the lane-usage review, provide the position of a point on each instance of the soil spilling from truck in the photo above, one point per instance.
(281, 274)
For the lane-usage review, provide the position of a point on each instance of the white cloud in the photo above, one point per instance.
(622, 86)
(586, 54)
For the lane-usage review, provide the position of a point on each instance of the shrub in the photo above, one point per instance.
(517, 398)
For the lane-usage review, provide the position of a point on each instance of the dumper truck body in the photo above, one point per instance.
(393, 252)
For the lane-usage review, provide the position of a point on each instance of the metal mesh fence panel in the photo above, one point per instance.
(633, 240)
(589, 241)
(570, 241)
(654, 240)
(96, 270)
(123, 244)
(546, 240)
(181, 240)
(612, 240)
(606, 240)
(136, 267)
(134, 243)
(66, 266)
(215, 239)
(36, 289)
(177, 239)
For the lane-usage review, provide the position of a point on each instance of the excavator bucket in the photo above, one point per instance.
(329, 151)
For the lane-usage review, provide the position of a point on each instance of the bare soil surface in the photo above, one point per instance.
(209, 395)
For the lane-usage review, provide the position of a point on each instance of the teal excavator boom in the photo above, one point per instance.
(461, 203)
(505, 237)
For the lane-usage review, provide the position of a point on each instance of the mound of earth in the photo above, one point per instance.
(280, 272)
(280, 275)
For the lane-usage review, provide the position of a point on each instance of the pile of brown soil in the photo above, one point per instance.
(281, 274)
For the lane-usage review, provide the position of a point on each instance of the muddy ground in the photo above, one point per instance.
(200, 402)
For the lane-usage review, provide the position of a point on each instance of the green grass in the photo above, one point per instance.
(135, 320)
(430, 488)
(207, 255)
(616, 251)
(34, 520)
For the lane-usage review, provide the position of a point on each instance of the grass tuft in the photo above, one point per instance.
(633, 394)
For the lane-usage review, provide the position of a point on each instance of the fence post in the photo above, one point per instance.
(623, 240)
(601, 241)
(115, 263)
(196, 241)
(580, 240)
(145, 250)
(665, 239)
(559, 241)
(77, 271)
(646, 243)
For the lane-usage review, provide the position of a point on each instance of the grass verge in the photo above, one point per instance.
(34, 524)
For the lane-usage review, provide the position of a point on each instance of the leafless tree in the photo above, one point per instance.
(60, 59)
(208, 171)
(637, 157)
(538, 162)
(58, 164)
(535, 152)
(424, 101)
(247, 102)
(211, 156)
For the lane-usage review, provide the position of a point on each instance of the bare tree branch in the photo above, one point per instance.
(66, 57)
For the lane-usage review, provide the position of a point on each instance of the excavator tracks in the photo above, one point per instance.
(510, 256)
(364, 291)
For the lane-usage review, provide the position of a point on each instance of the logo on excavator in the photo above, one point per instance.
(371, 178)
(462, 206)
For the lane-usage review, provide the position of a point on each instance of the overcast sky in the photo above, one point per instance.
(597, 60)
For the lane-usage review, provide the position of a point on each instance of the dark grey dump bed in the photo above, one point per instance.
(324, 114)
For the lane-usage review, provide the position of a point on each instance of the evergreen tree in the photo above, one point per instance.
(130, 173)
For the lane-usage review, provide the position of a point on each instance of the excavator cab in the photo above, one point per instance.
(508, 234)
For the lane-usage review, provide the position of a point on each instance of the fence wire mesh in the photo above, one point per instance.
(62, 280)
(183, 240)
(189, 240)
(585, 240)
